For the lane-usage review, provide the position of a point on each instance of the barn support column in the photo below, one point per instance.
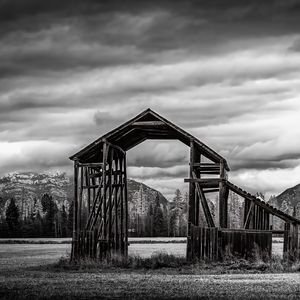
(126, 205)
(286, 241)
(223, 198)
(291, 242)
(74, 251)
(191, 205)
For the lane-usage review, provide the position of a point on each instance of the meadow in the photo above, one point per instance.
(32, 271)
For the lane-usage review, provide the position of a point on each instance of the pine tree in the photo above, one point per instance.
(149, 221)
(173, 222)
(50, 209)
(12, 218)
(178, 215)
(158, 219)
(64, 222)
(70, 219)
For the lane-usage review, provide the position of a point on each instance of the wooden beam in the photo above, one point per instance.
(223, 198)
(262, 204)
(209, 172)
(249, 216)
(197, 158)
(210, 191)
(126, 205)
(115, 146)
(122, 219)
(203, 181)
(191, 205)
(87, 182)
(148, 124)
(208, 165)
(205, 207)
(80, 199)
(110, 191)
(100, 164)
(105, 156)
(96, 196)
(74, 253)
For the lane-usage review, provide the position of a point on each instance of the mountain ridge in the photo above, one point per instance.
(25, 187)
(288, 200)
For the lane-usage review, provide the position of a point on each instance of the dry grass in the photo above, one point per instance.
(172, 264)
(156, 261)
(161, 276)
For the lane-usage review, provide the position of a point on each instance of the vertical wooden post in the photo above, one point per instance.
(74, 254)
(191, 206)
(87, 181)
(116, 182)
(116, 207)
(111, 158)
(197, 159)
(223, 198)
(105, 149)
(126, 204)
(286, 241)
(121, 210)
(80, 200)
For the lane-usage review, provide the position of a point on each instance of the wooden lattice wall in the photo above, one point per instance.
(101, 213)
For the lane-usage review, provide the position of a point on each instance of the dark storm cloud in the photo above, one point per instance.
(227, 71)
(295, 46)
(59, 35)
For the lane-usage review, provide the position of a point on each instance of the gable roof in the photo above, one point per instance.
(146, 125)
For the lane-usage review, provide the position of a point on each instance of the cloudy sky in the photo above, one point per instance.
(226, 71)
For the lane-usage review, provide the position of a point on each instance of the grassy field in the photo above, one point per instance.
(27, 272)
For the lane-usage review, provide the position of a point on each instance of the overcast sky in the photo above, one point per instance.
(226, 71)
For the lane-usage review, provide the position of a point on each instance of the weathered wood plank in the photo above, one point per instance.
(249, 216)
(74, 253)
(205, 207)
(191, 204)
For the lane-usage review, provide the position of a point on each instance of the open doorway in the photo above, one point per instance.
(157, 197)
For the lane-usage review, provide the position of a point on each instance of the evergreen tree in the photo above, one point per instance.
(38, 225)
(64, 222)
(173, 223)
(4, 231)
(149, 221)
(27, 227)
(158, 219)
(178, 198)
(178, 215)
(12, 218)
(70, 219)
(50, 209)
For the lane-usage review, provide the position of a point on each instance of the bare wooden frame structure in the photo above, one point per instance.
(100, 222)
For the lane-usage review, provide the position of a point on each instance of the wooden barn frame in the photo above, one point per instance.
(100, 220)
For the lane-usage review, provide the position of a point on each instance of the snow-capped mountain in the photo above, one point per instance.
(28, 187)
(25, 187)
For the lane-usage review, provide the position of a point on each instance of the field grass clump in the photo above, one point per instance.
(259, 262)
(156, 261)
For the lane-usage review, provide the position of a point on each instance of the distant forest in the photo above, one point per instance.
(44, 220)
(146, 218)
(159, 220)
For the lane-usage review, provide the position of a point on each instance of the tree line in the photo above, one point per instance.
(160, 220)
(44, 220)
